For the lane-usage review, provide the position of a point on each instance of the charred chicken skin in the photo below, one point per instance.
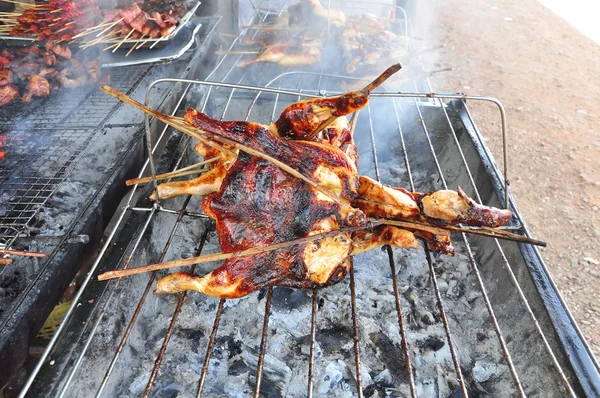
(257, 203)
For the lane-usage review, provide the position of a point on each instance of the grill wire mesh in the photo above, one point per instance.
(44, 143)
(221, 87)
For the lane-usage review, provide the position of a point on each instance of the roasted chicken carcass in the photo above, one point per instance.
(258, 203)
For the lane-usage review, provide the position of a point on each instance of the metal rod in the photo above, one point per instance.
(209, 348)
(404, 342)
(313, 338)
(263, 343)
(355, 332)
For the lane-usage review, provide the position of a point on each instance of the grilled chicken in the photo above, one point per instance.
(255, 202)
(290, 51)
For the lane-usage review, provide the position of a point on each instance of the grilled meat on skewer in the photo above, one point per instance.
(292, 49)
(258, 203)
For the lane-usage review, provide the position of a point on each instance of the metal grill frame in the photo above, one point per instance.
(417, 98)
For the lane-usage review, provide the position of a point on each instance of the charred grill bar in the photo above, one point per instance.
(118, 339)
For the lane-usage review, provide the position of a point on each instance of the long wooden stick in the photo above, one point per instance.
(124, 39)
(198, 134)
(176, 173)
(144, 43)
(23, 253)
(135, 45)
(108, 27)
(224, 256)
(267, 248)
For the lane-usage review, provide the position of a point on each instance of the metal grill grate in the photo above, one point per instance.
(45, 142)
(262, 103)
(36, 163)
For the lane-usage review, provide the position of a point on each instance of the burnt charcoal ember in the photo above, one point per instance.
(391, 356)
(285, 299)
(276, 374)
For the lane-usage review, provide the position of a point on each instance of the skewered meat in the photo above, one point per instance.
(139, 21)
(36, 72)
(293, 51)
(258, 203)
(8, 93)
(131, 13)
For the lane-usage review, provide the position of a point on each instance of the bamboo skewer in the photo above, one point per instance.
(135, 45)
(176, 173)
(267, 248)
(206, 137)
(108, 28)
(224, 256)
(23, 253)
(155, 43)
(89, 31)
(101, 39)
(22, 4)
(143, 43)
(124, 39)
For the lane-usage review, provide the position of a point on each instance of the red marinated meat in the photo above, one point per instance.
(8, 93)
(139, 21)
(130, 13)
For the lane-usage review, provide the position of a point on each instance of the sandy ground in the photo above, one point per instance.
(546, 73)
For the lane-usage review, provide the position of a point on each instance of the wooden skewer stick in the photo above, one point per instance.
(111, 46)
(65, 28)
(89, 31)
(22, 4)
(134, 45)
(108, 28)
(23, 253)
(206, 137)
(484, 231)
(6, 261)
(143, 180)
(55, 11)
(262, 249)
(101, 39)
(224, 256)
(143, 43)
(155, 43)
(125, 39)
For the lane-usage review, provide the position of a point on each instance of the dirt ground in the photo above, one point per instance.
(546, 73)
